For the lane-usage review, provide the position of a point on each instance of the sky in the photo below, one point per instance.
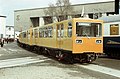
(7, 7)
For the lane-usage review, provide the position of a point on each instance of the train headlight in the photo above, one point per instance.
(79, 41)
(98, 41)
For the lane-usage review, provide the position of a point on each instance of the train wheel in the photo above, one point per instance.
(45, 51)
(52, 52)
(90, 58)
(59, 55)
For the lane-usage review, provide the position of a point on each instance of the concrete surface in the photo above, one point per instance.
(17, 63)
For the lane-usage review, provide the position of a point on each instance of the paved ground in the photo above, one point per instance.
(12, 50)
(108, 62)
(17, 63)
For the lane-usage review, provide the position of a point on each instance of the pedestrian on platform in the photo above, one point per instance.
(7, 40)
(2, 42)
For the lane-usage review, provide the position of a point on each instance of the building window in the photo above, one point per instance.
(1, 35)
(9, 35)
(114, 29)
(9, 28)
(35, 21)
(48, 20)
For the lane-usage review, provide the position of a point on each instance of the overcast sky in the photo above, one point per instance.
(7, 7)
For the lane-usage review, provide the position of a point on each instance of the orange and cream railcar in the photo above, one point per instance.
(78, 38)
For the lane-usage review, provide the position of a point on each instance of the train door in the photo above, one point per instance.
(31, 36)
(36, 36)
(60, 34)
(27, 37)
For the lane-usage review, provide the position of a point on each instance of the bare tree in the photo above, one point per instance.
(60, 10)
(50, 10)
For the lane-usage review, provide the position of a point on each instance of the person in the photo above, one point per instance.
(2, 42)
(7, 40)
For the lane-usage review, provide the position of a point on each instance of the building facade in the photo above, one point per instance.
(2, 26)
(24, 19)
(10, 32)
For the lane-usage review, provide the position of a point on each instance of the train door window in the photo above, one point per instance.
(114, 29)
(43, 32)
(24, 34)
(1, 35)
(98, 30)
(36, 33)
(40, 32)
(28, 34)
(50, 29)
(58, 30)
(32, 34)
(69, 29)
(62, 30)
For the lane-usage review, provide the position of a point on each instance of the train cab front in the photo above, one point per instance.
(87, 40)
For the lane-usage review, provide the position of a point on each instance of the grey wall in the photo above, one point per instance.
(22, 17)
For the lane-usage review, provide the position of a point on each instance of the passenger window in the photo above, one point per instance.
(40, 32)
(45, 32)
(24, 34)
(60, 30)
(69, 29)
(50, 29)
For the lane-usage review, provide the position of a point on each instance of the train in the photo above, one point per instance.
(79, 39)
(111, 36)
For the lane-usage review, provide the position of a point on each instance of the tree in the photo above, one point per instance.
(60, 10)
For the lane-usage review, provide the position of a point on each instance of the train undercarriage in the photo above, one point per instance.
(61, 55)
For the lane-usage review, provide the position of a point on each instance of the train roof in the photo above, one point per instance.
(112, 18)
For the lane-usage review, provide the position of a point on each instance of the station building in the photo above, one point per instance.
(24, 19)
(2, 26)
